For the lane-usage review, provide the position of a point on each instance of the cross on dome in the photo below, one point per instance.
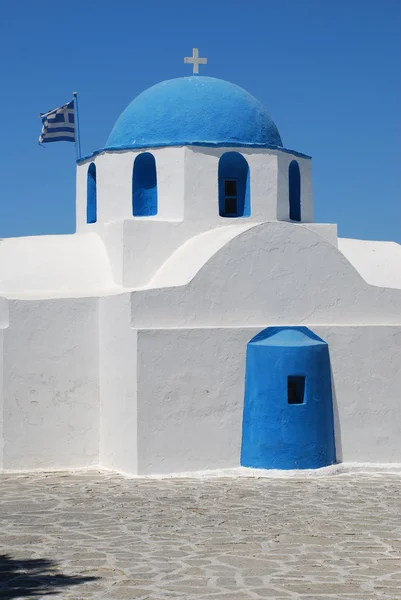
(195, 60)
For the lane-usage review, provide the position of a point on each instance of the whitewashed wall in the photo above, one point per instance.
(191, 389)
(187, 184)
(201, 185)
(51, 390)
(278, 273)
(49, 266)
(283, 206)
(4, 319)
(118, 385)
(114, 187)
(187, 202)
(1, 398)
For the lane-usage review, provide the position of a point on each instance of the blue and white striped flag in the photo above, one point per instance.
(58, 124)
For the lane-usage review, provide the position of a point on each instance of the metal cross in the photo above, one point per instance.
(195, 60)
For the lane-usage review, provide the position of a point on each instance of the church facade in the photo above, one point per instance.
(199, 318)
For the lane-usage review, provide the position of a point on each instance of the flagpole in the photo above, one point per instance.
(77, 132)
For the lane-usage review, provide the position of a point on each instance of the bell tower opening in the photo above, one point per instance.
(234, 193)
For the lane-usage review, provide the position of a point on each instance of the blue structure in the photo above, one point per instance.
(288, 412)
(294, 188)
(234, 187)
(144, 186)
(194, 110)
(91, 195)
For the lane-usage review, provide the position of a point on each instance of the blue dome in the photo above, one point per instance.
(194, 110)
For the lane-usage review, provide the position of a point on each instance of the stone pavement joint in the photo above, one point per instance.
(92, 535)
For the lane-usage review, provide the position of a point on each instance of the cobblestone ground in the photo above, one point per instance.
(93, 535)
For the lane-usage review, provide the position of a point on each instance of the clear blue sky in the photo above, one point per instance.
(327, 72)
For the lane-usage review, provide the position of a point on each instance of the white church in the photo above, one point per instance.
(199, 318)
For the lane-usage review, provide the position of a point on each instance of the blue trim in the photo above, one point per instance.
(283, 427)
(198, 144)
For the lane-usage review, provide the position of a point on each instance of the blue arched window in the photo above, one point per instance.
(91, 200)
(294, 186)
(234, 188)
(144, 186)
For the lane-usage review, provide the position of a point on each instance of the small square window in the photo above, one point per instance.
(230, 187)
(230, 206)
(296, 389)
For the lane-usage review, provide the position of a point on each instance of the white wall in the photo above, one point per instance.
(279, 273)
(379, 263)
(201, 185)
(190, 399)
(187, 183)
(55, 265)
(283, 206)
(114, 186)
(187, 203)
(1, 397)
(4, 321)
(366, 367)
(191, 388)
(118, 385)
(51, 391)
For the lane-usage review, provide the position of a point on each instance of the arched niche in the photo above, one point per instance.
(294, 187)
(91, 195)
(144, 186)
(234, 186)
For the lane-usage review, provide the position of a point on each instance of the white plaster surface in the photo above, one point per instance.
(187, 185)
(179, 269)
(1, 398)
(190, 399)
(277, 273)
(379, 263)
(51, 389)
(4, 320)
(366, 380)
(4, 316)
(118, 385)
(191, 386)
(121, 251)
(305, 168)
(114, 186)
(54, 266)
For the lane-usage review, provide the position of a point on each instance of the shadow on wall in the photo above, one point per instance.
(336, 417)
(33, 578)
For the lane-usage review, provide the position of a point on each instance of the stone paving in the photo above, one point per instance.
(94, 535)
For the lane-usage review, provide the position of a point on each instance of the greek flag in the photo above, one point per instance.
(58, 125)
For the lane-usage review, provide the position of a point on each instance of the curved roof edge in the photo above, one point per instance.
(54, 266)
(199, 144)
(378, 263)
(287, 336)
(187, 260)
